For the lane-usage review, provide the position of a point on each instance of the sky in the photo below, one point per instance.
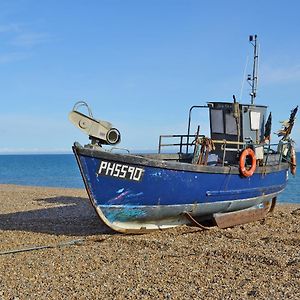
(139, 65)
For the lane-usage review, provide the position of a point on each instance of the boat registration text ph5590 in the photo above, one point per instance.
(120, 170)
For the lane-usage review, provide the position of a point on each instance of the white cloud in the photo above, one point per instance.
(35, 133)
(35, 150)
(282, 74)
(12, 27)
(18, 39)
(12, 56)
(29, 39)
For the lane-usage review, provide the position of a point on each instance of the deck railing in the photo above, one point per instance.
(184, 140)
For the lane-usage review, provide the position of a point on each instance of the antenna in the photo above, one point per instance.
(252, 79)
(244, 78)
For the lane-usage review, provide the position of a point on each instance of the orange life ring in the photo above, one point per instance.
(293, 163)
(244, 171)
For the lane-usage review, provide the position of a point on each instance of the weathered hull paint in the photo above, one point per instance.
(164, 192)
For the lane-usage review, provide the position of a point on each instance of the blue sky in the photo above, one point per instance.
(139, 64)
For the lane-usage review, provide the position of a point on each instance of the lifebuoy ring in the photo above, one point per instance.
(293, 163)
(244, 171)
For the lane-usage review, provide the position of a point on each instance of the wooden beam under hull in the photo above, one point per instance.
(230, 219)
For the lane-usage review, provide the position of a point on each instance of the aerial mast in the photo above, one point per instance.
(252, 79)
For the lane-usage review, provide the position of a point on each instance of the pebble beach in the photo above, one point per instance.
(54, 246)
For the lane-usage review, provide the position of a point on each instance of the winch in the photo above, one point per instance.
(100, 132)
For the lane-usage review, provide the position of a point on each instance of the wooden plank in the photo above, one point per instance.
(225, 220)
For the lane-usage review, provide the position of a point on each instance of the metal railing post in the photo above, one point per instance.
(159, 145)
(189, 124)
(180, 148)
(224, 152)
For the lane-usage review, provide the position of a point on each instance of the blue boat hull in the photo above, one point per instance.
(134, 194)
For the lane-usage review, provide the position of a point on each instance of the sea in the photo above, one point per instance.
(61, 170)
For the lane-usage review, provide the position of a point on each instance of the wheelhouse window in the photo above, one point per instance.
(230, 124)
(254, 120)
(217, 122)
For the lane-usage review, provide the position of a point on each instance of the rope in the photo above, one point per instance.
(207, 146)
(69, 243)
(194, 222)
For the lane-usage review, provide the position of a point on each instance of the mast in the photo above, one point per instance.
(252, 79)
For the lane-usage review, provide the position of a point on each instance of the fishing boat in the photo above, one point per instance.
(231, 177)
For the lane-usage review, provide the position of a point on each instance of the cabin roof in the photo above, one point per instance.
(212, 103)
